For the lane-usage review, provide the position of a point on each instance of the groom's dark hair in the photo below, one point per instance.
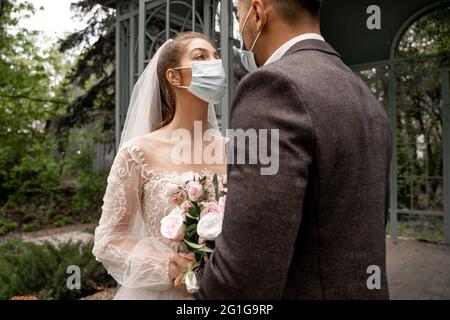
(291, 10)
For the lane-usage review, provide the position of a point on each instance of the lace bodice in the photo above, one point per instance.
(154, 202)
(128, 240)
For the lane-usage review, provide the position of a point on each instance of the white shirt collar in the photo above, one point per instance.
(285, 47)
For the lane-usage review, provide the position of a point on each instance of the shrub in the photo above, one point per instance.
(61, 220)
(35, 178)
(28, 227)
(89, 192)
(6, 225)
(42, 190)
(40, 270)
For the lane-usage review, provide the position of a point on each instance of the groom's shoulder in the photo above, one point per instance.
(298, 69)
(264, 74)
(310, 71)
(264, 77)
(276, 79)
(266, 83)
(309, 65)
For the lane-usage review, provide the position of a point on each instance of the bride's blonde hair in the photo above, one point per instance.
(170, 57)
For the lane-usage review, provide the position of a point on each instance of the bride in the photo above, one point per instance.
(176, 92)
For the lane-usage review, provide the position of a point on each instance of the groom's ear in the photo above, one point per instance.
(259, 7)
(173, 77)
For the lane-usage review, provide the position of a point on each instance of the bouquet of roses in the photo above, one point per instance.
(196, 221)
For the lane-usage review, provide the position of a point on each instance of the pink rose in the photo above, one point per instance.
(210, 207)
(188, 176)
(185, 206)
(177, 199)
(175, 193)
(172, 189)
(195, 190)
(172, 226)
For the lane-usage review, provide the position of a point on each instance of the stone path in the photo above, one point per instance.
(56, 236)
(58, 239)
(418, 270)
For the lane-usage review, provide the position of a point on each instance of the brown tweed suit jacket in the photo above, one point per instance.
(312, 230)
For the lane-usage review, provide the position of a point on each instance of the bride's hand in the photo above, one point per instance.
(174, 269)
(181, 262)
(181, 286)
(174, 272)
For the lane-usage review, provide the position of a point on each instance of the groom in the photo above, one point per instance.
(316, 229)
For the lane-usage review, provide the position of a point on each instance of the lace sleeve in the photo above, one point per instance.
(132, 260)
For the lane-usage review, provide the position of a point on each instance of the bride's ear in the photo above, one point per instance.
(173, 77)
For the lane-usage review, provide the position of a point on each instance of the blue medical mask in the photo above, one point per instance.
(248, 57)
(209, 81)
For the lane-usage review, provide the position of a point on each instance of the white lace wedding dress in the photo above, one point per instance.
(128, 240)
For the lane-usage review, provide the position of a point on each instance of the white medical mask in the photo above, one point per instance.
(209, 81)
(248, 57)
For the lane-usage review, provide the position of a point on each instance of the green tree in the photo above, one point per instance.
(93, 74)
(420, 111)
(27, 87)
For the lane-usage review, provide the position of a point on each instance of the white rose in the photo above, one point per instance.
(191, 282)
(210, 226)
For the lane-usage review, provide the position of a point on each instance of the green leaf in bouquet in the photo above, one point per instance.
(211, 244)
(191, 216)
(191, 230)
(207, 249)
(195, 211)
(216, 187)
(191, 227)
(194, 245)
(190, 221)
(196, 268)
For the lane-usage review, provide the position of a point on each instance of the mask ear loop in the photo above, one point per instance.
(243, 27)
(178, 68)
(254, 43)
(246, 19)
